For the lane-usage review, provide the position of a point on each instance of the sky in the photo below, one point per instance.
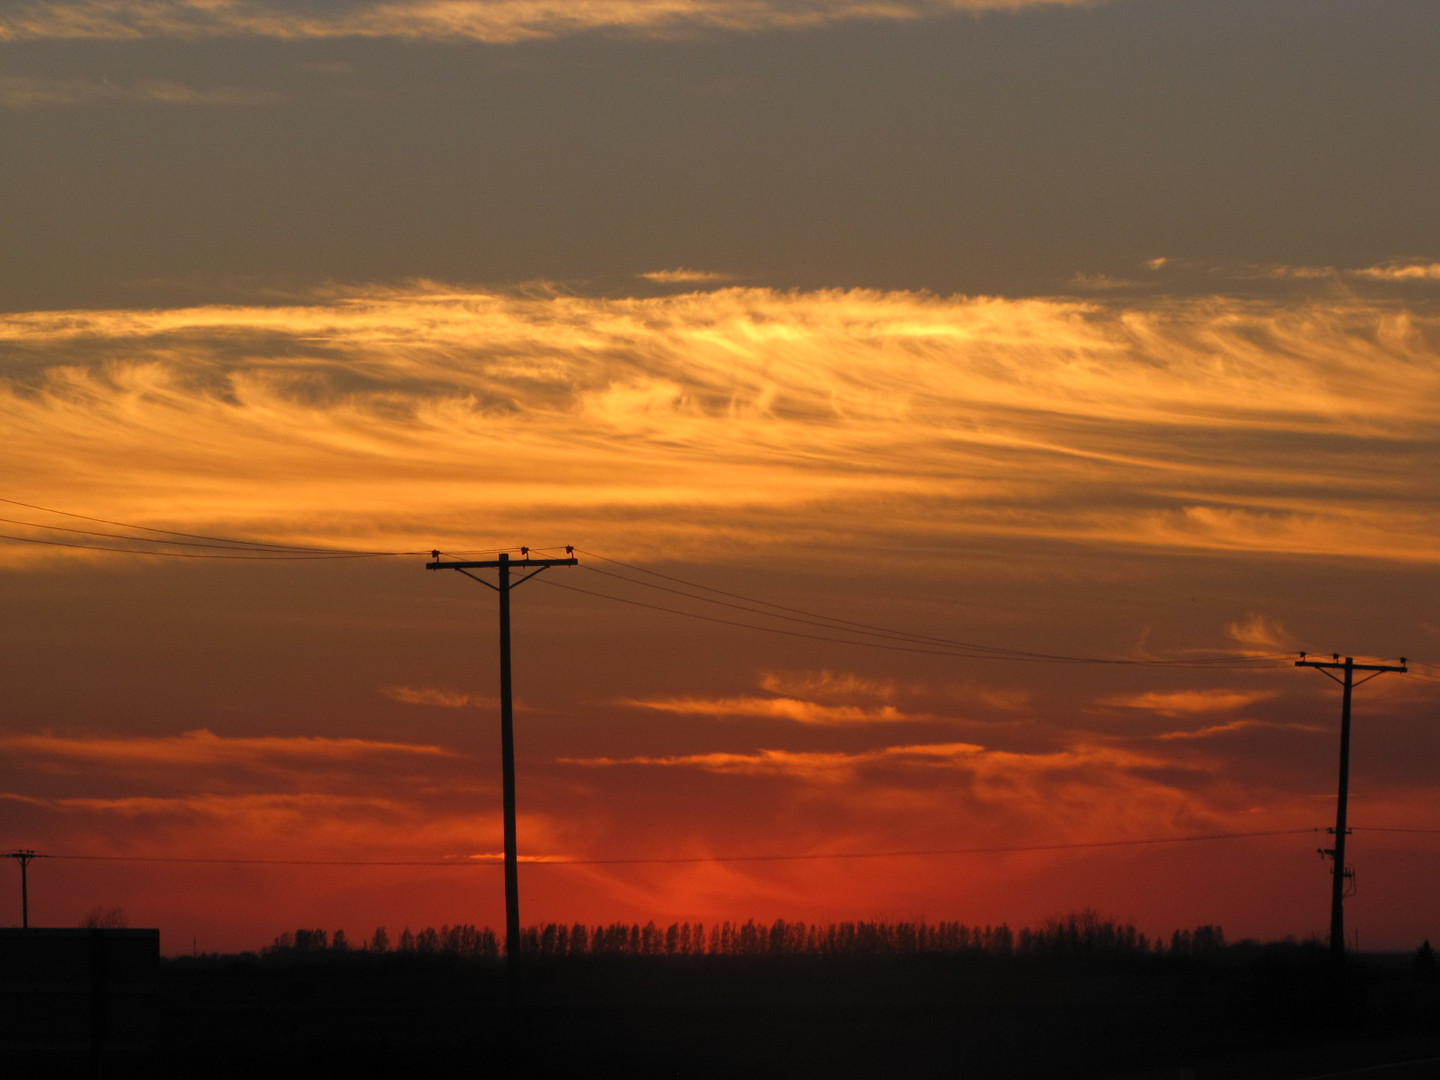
(963, 414)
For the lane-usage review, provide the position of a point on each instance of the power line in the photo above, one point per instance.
(890, 638)
(834, 622)
(823, 621)
(958, 650)
(752, 605)
(164, 532)
(197, 555)
(691, 860)
(994, 850)
(223, 545)
(543, 860)
(546, 860)
(232, 547)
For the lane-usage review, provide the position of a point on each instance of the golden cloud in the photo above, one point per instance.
(1403, 270)
(1188, 702)
(775, 708)
(750, 419)
(491, 21)
(684, 276)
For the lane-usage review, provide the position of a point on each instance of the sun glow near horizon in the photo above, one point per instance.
(794, 428)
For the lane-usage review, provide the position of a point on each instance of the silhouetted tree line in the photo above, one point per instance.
(460, 940)
(1078, 934)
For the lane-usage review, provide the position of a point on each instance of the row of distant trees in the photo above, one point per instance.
(1078, 934)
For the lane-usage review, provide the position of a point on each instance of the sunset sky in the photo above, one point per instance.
(888, 365)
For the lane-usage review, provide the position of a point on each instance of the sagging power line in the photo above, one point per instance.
(864, 634)
(465, 863)
(157, 544)
(869, 635)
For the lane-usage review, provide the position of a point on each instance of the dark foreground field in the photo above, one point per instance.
(1277, 1013)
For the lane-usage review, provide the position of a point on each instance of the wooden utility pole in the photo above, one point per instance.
(23, 858)
(1339, 871)
(504, 565)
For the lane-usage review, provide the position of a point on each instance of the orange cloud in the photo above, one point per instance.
(357, 824)
(1261, 634)
(445, 699)
(826, 683)
(1071, 794)
(202, 747)
(1189, 702)
(1233, 727)
(777, 708)
(831, 766)
(745, 418)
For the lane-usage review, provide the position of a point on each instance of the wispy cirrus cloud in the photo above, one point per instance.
(1261, 634)
(1006, 768)
(1068, 792)
(359, 825)
(1403, 270)
(203, 747)
(685, 276)
(445, 699)
(826, 767)
(750, 417)
(1400, 270)
(1188, 702)
(489, 21)
(826, 684)
(227, 807)
(1235, 727)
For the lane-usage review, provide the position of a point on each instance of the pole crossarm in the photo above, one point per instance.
(522, 563)
(514, 564)
(1340, 874)
(1341, 665)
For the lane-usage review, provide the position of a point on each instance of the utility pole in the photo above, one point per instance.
(1339, 872)
(23, 858)
(504, 565)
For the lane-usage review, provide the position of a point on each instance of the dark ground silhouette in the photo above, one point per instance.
(1062, 1007)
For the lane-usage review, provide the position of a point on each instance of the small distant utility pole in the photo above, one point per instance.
(1338, 871)
(505, 565)
(23, 858)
